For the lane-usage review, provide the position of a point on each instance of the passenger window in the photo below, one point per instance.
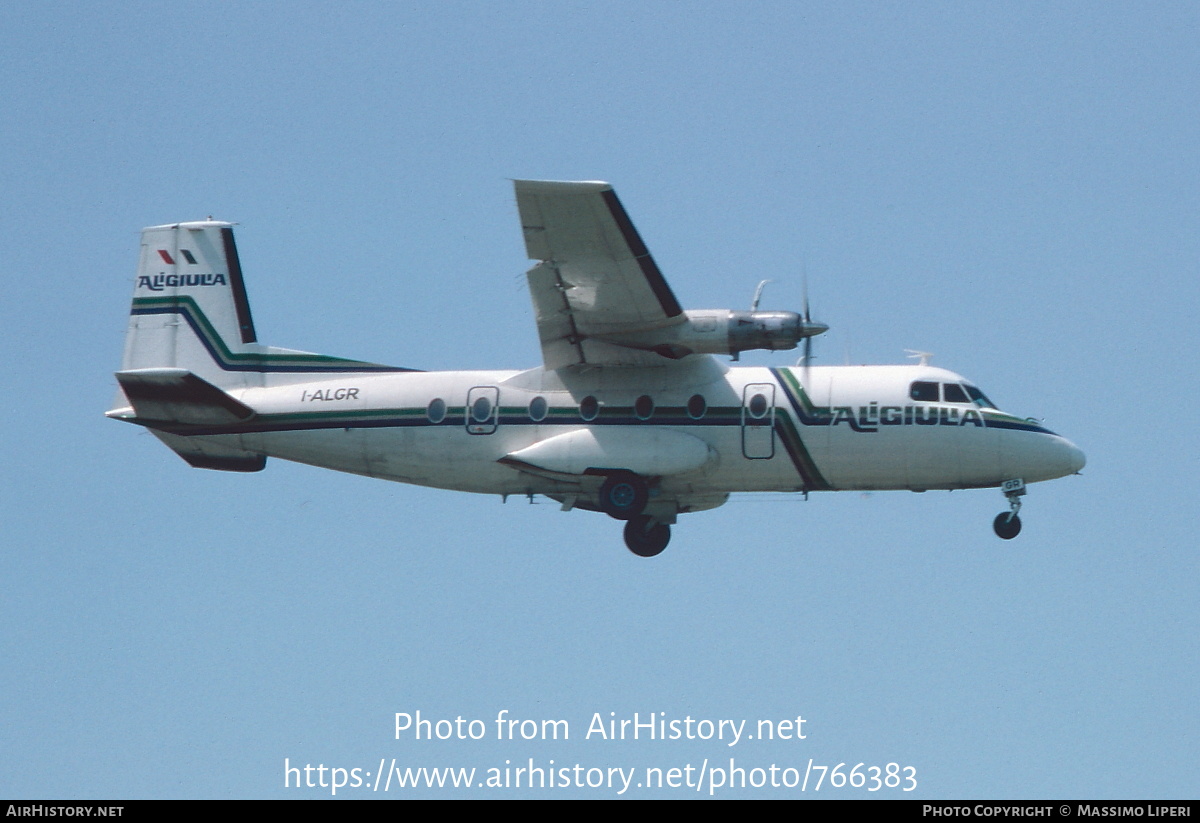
(436, 412)
(538, 408)
(481, 410)
(925, 392)
(758, 406)
(643, 407)
(589, 407)
(696, 406)
(955, 393)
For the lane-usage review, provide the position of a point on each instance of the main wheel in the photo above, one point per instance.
(623, 496)
(1005, 526)
(645, 540)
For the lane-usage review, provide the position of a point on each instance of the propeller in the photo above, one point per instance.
(807, 318)
(813, 328)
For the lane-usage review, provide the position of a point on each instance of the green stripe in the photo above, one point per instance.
(187, 305)
(790, 434)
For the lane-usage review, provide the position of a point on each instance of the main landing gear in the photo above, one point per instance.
(623, 496)
(1007, 525)
(645, 536)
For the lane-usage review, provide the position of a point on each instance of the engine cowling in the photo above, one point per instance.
(723, 331)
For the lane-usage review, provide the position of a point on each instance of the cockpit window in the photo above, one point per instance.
(980, 398)
(921, 390)
(954, 393)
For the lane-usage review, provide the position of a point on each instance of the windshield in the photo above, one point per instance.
(979, 397)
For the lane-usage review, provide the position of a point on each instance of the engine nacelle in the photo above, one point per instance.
(723, 331)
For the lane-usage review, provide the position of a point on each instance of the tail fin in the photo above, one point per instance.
(191, 343)
(189, 305)
(190, 312)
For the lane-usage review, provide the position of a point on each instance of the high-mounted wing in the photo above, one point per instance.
(595, 279)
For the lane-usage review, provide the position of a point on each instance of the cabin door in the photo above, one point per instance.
(483, 409)
(758, 421)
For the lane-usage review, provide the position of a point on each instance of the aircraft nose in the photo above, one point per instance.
(1068, 458)
(1075, 457)
(1039, 456)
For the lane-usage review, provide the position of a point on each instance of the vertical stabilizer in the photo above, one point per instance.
(191, 347)
(189, 305)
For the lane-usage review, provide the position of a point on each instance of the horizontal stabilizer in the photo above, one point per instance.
(178, 396)
(201, 454)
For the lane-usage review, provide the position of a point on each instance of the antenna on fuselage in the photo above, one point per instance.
(924, 355)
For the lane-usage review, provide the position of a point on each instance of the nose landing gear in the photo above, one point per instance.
(1007, 525)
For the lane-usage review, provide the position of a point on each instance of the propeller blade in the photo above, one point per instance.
(804, 286)
(758, 295)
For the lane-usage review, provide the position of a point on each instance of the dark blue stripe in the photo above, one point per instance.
(451, 421)
(240, 301)
(1024, 427)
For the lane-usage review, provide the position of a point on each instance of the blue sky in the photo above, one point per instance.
(1010, 186)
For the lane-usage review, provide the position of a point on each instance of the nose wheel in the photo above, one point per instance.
(1007, 525)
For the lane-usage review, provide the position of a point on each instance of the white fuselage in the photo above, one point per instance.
(630, 414)
(756, 429)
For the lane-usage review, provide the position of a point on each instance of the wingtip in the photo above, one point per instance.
(561, 186)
